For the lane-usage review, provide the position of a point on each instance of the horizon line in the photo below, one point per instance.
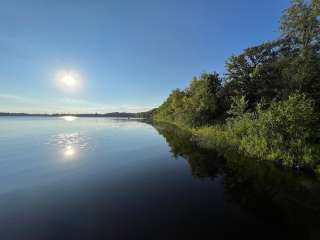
(68, 113)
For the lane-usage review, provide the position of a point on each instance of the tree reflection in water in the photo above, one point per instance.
(204, 163)
(284, 197)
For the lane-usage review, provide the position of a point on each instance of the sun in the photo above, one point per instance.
(68, 80)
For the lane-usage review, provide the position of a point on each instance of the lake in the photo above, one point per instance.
(102, 178)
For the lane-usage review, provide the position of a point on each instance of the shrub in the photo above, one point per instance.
(281, 132)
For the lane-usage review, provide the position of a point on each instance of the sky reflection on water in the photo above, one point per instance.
(92, 178)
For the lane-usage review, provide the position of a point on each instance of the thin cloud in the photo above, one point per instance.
(14, 103)
(5, 96)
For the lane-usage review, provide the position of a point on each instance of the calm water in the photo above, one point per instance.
(97, 178)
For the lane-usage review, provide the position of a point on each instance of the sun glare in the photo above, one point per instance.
(68, 80)
(69, 118)
(69, 151)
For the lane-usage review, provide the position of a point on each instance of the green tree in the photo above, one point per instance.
(239, 106)
(195, 106)
(300, 23)
(201, 99)
(172, 108)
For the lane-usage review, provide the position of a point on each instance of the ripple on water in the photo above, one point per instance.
(70, 139)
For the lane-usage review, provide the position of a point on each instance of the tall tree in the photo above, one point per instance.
(300, 23)
(258, 72)
(201, 99)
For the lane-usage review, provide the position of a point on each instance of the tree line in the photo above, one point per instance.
(267, 103)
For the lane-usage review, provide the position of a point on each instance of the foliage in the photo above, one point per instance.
(239, 106)
(267, 103)
(283, 132)
(258, 72)
(300, 23)
(194, 106)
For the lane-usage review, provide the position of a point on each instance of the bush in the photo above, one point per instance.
(282, 132)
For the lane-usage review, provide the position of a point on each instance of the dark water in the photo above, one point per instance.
(95, 178)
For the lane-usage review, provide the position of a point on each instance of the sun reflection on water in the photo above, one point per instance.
(69, 152)
(69, 145)
(69, 118)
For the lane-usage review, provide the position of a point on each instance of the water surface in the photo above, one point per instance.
(100, 178)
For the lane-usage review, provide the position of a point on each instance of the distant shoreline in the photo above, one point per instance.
(129, 115)
(68, 115)
(113, 114)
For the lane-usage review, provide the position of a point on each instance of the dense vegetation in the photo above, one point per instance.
(267, 103)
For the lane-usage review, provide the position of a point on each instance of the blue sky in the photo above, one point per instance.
(127, 55)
